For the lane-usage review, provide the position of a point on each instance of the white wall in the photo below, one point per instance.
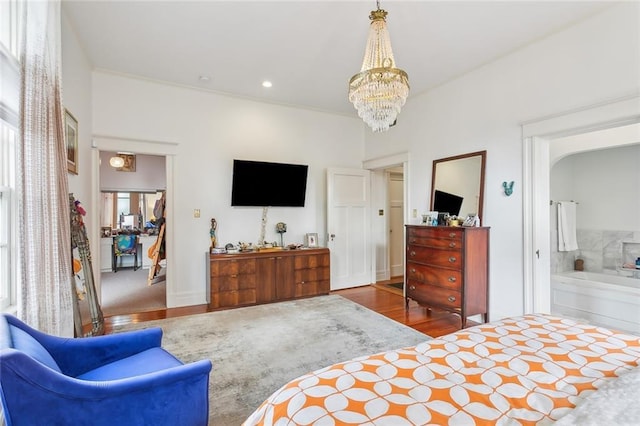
(76, 97)
(605, 183)
(593, 61)
(211, 130)
(150, 174)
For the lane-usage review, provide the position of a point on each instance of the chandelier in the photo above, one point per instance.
(379, 90)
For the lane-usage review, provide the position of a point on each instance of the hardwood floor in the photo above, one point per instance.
(433, 323)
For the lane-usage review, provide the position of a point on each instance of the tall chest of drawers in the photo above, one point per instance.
(448, 268)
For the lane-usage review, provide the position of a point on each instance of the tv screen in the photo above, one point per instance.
(263, 184)
(444, 202)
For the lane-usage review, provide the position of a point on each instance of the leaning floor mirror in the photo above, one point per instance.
(457, 184)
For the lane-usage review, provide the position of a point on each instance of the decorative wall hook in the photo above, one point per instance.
(508, 188)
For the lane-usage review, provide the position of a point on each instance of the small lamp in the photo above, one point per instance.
(281, 228)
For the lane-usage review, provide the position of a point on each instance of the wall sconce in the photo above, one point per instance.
(508, 188)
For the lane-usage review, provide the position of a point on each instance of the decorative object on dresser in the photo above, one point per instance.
(311, 240)
(448, 268)
(262, 277)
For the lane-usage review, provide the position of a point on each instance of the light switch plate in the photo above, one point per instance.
(196, 213)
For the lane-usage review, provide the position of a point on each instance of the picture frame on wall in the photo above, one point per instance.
(311, 240)
(71, 139)
(129, 163)
(105, 231)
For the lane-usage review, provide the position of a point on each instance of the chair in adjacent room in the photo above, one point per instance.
(117, 379)
(124, 245)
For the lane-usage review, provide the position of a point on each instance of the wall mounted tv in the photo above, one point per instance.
(443, 202)
(263, 184)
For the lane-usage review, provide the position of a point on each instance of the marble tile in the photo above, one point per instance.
(592, 260)
(589, 239)
(600, 250)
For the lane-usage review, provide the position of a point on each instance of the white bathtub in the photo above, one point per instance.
(602, 299)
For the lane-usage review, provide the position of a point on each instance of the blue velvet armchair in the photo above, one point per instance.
(117, 379)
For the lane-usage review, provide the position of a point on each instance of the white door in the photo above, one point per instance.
(396, 224)
(348, 227)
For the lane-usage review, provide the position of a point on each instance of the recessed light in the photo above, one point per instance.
(266, 83)
(204, 78)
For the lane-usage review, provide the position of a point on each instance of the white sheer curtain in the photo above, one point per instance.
(45, 300)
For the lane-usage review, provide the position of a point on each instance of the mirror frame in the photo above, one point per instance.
(483, 157)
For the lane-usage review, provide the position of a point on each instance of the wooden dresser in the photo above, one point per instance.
(262, 277)
(448, 268)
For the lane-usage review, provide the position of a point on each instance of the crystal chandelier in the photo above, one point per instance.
(379, 90)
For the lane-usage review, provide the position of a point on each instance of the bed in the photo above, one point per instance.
(528, 370)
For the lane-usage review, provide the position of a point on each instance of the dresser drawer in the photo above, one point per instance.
(448, 278)
(439, 243)
(311, 261)
(446, 258)
(232, 267)
(315, 274)
(232, 283)
(434, 296)
(439, 232)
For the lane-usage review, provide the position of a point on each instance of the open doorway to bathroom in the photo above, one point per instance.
(545, 142)
(130, 199)
(389, 215)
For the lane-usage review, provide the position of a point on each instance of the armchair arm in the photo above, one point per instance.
(35, 394)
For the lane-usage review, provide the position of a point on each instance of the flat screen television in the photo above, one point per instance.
(263, 184)
(443, 202)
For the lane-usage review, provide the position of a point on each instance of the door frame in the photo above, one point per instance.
(166, 149)
(537, 136)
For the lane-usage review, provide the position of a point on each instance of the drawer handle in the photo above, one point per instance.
(452, 279)
(413, 287)
(413, 270)
(413, 253)
(413, 240)
(234, 276)
(301, 282)
(452, 234)
(451, 299)
(452, 245)
(452, 259)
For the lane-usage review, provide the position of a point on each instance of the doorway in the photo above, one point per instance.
(540, 139)
(127, 210)
(389, 188)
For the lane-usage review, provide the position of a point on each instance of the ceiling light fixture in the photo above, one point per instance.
(267, 84)
(116, 161)
(379, 90)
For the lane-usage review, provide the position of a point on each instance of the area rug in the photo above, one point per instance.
(255, 350)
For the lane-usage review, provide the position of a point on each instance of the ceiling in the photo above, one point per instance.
(308, 49)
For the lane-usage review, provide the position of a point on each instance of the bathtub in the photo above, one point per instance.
(603, 299)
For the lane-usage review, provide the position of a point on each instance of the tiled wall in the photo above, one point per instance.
(602, 251)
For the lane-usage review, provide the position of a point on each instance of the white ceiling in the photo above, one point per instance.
(308, 49)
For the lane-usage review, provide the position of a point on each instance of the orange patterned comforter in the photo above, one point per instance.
(519, 371)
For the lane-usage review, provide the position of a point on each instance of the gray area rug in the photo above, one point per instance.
(256, 350)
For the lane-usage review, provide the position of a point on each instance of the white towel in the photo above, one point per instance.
(567, 239)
